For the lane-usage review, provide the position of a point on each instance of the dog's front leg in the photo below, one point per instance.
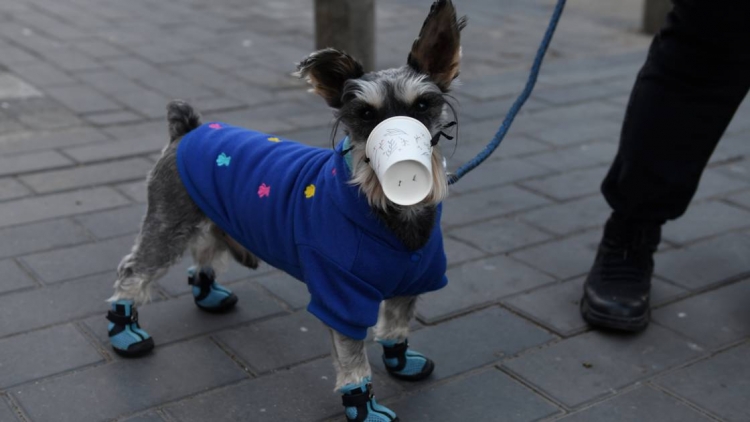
(391, 332)
(353, 377)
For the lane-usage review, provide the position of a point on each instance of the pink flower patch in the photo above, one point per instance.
(264, 190)
(333, 172)
(214, 126)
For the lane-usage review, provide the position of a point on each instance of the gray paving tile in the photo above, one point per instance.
(638, 405)
(79, 261)
(487, 204)
(279, 342)
(14, 277)
(499, 235)
(575, 157)
(557, 306)
(6, 414)
(15, 241)
(144, 102)
(58, 205)
(580, 131)
(87, 175)
(82, 99)
(148, 417)
(267, 398)
(32, 141)
(12, 189)
(113, 118)
(493, 334)
(99, 49)
(719, 384)
(594, 365)
(569, 185)
(741, 199)
(584, 92)
(42, 353)
(705, 263)
(716, 184)
(714, 318)
(115, 222)
(136, 191)
(706, 219)
(480, 397)
(128, 386)
(287, 288)
(563, 258)
(42, 75)
(498, 172)
(42, 160)
(31, 309)
(109, 81)
(476, 284)
(179, 319)
(457, 251)
(570, 217)
(137, 145)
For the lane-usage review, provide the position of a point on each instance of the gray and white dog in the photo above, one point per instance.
(175, 221)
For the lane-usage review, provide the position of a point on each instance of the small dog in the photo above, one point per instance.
(321, 215)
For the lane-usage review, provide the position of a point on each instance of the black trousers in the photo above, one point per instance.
(696, 75)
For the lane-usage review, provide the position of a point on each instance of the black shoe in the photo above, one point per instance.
(617, 291)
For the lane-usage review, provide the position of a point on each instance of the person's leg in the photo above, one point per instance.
(695, 77)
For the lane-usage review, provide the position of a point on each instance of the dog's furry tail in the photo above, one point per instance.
(182, 118)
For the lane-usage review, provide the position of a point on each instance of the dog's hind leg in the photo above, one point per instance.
(209, 251)
(171, 222)
(392, 331)
(353, 380)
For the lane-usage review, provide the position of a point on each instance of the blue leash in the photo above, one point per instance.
(516, 107)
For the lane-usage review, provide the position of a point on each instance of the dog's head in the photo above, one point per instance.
(418, 90)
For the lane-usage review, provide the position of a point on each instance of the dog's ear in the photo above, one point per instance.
(437, 50)
(327, 70)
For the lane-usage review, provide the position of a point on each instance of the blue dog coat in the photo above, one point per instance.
(291, 205)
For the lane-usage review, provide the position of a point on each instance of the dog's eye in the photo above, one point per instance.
(422, 106)
(367, 113)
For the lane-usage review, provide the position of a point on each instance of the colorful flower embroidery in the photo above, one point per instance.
(309, 191)
(214, 126)
(264, 190)
(223, 160)
(333, 172)
(274, 139)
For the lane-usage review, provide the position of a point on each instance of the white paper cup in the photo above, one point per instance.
(400, 152)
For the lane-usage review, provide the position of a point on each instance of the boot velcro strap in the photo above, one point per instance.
(357, 399)
(202, 281)
(119, 319)
(397, 351)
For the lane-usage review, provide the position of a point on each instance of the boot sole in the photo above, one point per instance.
(601, 320)
(225, 305)
(426, 372)
(137, 350)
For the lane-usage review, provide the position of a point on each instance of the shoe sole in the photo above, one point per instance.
(225, 305)
(601, 320)
(426, 372)
(137, 350)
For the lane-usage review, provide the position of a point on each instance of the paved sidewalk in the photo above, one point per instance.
(83, 88)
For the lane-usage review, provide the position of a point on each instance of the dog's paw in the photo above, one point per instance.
(209, 295)
(125, 335)
(360, 405)
(405, 364)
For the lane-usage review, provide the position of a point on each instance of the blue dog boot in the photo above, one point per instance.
(402, 363)
(209, 295)
(125, 334)
(361, 406)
